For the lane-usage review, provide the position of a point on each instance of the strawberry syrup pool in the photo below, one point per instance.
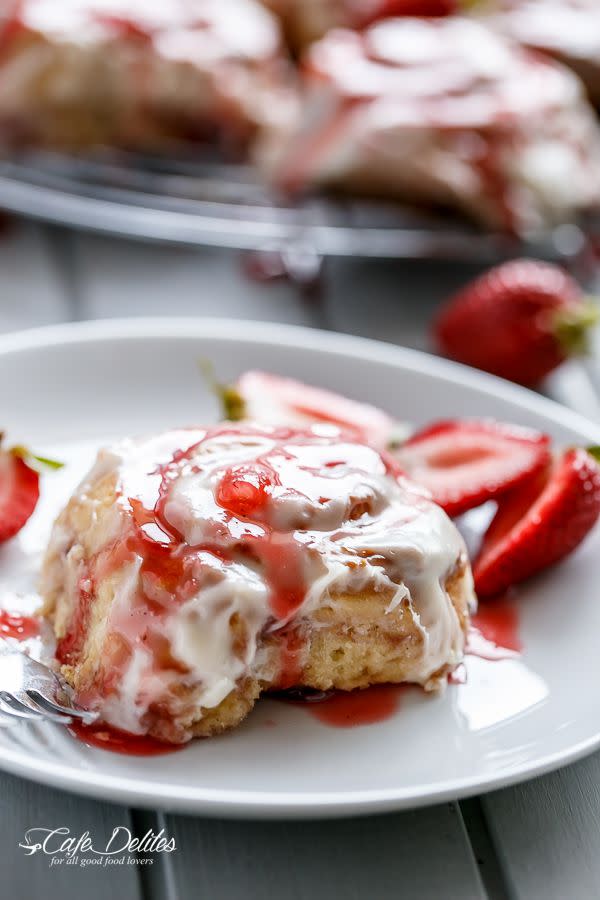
(493, 685)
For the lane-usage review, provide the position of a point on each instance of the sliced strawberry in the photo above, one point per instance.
(464, 462)
(19, 493)
(540, 523)
(274, 400)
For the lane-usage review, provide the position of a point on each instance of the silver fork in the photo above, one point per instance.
(30, 690)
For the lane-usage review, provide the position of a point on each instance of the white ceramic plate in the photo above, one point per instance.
(67, 389)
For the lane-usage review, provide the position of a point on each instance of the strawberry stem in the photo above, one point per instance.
(47, 462)
(35, 461)
(233, 405)
(595, 452)
(399, 434)
(572, 327)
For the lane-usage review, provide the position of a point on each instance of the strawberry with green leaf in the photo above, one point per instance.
(519, 321)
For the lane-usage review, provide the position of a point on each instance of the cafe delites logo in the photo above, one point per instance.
(122, 848)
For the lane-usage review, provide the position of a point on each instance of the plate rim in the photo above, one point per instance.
(254, 331)
(266, 804)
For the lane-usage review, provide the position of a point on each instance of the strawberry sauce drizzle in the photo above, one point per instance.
(387, 9)
(494, 631)
(292, 647)
(348, 709)
(16, 626)
(71, 644)
(124, 27)
(11, 28)
(244, 491)
(108, 738)
(282, 558)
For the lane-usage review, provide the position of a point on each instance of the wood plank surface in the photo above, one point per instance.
(32, 279)
(421, 854)
(117, 278)
(547, 834)
(25, 805)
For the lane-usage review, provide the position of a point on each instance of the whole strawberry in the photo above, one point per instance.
(520, 320)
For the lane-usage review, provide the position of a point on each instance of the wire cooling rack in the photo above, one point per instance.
(189, 200)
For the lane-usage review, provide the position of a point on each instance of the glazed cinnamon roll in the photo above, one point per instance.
(444, 112)
(139, 75)
(192, 571)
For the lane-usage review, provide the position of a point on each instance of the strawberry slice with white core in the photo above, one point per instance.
(540, 523)
(274, 400)
(19, 493)
(464, 463)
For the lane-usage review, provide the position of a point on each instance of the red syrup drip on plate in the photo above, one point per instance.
(348, 709)
(14, 625)
(494, 631)
(493, 635)
(108, 738)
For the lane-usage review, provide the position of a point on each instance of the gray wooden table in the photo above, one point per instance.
(539, 840)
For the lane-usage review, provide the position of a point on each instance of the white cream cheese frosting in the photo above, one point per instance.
(565, 28)
(236, 28)
(241, 530)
